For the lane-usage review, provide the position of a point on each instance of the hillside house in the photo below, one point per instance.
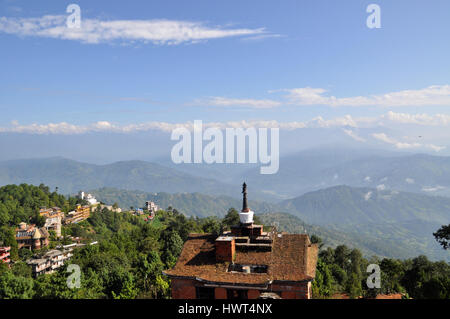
(79, 214)
(49, 262)
(32, 237)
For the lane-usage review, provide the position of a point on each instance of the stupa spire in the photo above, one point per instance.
(244, 199)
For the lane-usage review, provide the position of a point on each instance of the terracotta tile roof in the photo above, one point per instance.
(293, 258)
(390, 296)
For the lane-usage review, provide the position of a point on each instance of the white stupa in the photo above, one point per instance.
(246, 215)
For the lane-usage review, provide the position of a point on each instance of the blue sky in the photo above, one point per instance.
(297, 62)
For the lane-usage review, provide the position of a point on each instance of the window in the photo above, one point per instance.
(205, 293)
(254, 269)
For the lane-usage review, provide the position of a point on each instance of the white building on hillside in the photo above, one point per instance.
(88, 197)
(151, 206)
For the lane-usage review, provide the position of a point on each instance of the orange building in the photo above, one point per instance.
(81, 213)
(245, 263)
(51, 212)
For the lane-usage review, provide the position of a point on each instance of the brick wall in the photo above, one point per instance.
(183, 289)
(253, 294)
(293, 291)
(220, 293)
(225, 250)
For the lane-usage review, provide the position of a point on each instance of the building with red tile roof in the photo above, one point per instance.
(245, 263)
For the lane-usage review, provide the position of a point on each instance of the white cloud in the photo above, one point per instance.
(403, 145)
(409, 180)
(432, 95)
(354, 136)
(435, 95)
(164, 32)
(367, 179)
(101, 126)
(347, 123)
(435, 148)
(381, 187)
(432, 189)
(66, 128)
(418, 119)
(368, 196)
(383, 137)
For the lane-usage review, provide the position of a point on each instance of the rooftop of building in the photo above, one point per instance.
(26, 231)
(292, 257)
(39, 259)
(246, 255)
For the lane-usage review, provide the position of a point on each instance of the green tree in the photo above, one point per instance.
(211, 225)
(341, 256)
(391, 273)
(21, 269)
(231, 218)
(121, 284)
(442, 236)
(172, 245)
(15, 287)
(323, 283)
(317, 240)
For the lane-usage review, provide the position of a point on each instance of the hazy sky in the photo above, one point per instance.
(140, 66)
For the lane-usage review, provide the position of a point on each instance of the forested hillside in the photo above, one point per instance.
(191, 204)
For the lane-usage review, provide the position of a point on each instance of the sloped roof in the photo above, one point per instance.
(37, 234)
(292, 258)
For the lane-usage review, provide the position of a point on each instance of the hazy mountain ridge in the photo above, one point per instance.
(392, 223)
(312, 170)
(191, 204)
(71, 176)
(338, 216)
(345, 205)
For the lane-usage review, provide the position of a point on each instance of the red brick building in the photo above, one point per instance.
(245, 263)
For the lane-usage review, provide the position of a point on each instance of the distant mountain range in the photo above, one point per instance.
(392, 223)
(72, 176)
(385, 223)
(320, 168)
(298, 174)
(313, 170)
(386, 208)
(344, 205)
